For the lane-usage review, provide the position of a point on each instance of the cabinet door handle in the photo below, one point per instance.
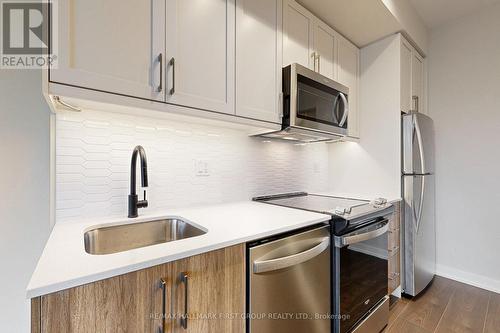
(184, 318)
(313, 55)
(172, 63)
(415, 99)
(160, 60)
(319, 62)
(163, 286)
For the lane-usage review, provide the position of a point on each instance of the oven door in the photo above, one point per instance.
(360, 280)
(317, 102)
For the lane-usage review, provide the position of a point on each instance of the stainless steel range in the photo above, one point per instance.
(359, 257)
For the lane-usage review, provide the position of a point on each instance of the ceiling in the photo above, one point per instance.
(360, 21)
(437, 12)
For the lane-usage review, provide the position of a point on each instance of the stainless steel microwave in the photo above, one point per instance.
(315, 108)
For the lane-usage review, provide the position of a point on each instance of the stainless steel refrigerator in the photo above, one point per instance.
(419, 234)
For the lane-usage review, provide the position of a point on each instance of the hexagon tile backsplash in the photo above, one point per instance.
(93, 151)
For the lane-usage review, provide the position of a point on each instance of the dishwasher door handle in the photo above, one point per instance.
(263, 266)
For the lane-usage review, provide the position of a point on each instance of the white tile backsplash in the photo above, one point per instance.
(93, 151)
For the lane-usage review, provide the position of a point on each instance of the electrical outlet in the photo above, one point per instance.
(201, 168)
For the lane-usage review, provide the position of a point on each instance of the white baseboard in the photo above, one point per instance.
(472, 279)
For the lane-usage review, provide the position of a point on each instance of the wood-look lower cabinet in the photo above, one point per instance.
(215, 286)
(154, 299)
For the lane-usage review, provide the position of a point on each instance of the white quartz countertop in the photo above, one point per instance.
(65, 264)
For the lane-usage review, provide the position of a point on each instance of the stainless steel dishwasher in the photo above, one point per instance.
(289, 283)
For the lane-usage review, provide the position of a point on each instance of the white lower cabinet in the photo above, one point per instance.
(258, 59)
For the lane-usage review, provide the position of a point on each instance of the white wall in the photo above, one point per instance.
(24, 195)
(371, 168)
(464, 86)
(411, 23)
(93, 151)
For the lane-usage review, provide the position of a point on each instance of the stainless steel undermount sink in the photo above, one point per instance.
(123, 237)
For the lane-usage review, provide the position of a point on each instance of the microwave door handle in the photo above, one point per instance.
(346, 109)
(263, 266)
(335, 102)
(356, 237)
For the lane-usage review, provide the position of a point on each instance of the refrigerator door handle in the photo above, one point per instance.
(418, 217)
(420, 145)
(421, 208)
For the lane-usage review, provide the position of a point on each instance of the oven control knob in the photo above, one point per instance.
(379, 201)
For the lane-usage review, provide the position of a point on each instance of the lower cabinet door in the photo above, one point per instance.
(209, 292)
(131, 302)
(202, 294)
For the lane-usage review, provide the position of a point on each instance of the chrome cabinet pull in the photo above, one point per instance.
(160, 60)
(319, 62)
(313, 55)
(184, 318)
(172, 63)
(163, 286)
(415, 100)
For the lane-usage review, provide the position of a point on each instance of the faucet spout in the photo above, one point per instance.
(133, 202)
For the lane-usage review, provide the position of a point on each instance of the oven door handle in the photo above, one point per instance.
(263, 266)
(358, 236)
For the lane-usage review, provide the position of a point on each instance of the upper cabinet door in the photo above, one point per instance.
(200, 54)
(325, 46)
(348, 75)
(111, 45)
(417, 88)
(406, 80)
(258, 59)
(298, 26)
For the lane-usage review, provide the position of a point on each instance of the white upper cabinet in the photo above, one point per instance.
(298, 42)
(258, 59)
(417, 87)
(406, 79)
(413, 96)
(200, 54)
(325, 50)
(111, 45)
(312, 43)
(348, 75)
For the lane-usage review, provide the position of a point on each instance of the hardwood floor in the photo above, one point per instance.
(447, 306)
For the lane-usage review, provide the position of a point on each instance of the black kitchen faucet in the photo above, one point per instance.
(133, 202)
